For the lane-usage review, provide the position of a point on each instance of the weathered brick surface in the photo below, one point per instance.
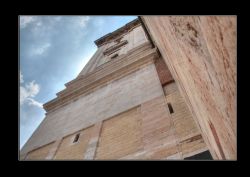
(93, 141)
(187, 133)
(162, 152)
(120, 136)
(40, 153)
(156, 123)
(160, 135)
(182, 118)
(190, 146)
(53, 149)
(170, 88)
(70, 150)
(163, 72)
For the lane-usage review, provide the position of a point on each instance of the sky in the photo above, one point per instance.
(52, 51)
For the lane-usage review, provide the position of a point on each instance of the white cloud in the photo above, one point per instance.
(33, 102)
(40, 49)
(82, 21)
(25, 20)
(31, 115)
(28, 92)
(23, 94)
(32, 88)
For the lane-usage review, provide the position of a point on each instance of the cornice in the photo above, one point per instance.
(132, 53)
(102, 76)
(99, 42)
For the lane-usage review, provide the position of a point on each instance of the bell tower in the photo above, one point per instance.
(124, 104)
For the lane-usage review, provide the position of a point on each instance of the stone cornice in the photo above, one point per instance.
(103, 75)
(133, 52)
(99, 42)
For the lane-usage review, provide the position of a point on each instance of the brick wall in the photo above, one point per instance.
(163, 72)
(40, 153)
(151, 131)
(187, 133)
(70, 150)
(120, 136)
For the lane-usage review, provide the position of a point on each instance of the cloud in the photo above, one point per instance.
(26, 20)
(40, 50)
(31, 112)
(33, 102)
(33, 88)
(28, 92)
(82, 21)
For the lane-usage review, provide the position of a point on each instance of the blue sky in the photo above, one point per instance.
(53, 51)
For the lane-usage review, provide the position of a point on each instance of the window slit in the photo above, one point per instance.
(171, 110)
(76, 138)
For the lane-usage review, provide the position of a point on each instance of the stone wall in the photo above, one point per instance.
(114, 98)
(147, 131)
(200, 52)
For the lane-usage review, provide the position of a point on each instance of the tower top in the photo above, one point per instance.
(99, 42)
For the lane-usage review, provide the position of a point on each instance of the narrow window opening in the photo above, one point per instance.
(171, 110)
(118, 40)
(114, 56)
(76, 138)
